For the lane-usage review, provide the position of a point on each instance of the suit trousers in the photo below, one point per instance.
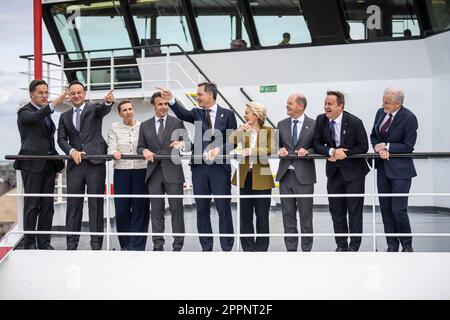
(213, 179)
(289, 207)
(79, 178)
(340, 206)
(261, 207)
(132, 214)
(394, 210)
(158, 185)
(38, 210)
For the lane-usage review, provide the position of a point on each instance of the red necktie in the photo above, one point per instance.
(385, 127)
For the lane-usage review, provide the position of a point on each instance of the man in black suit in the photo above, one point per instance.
(394, 131)
(162, 135)
(210, 175)
(37, 132)
(80, 133)
(339, 134)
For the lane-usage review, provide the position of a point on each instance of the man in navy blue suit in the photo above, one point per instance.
(394, 131)
(210, 175)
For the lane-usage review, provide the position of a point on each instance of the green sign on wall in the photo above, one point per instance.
(266, 89)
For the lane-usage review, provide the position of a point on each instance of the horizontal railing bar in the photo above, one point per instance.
(259, 196)
(193, 234)
(232, 156)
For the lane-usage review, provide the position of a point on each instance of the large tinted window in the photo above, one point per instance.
(220, 24)
(91, 26)
(439, 14)
(161, 22)
(280, 22)
(380, 19)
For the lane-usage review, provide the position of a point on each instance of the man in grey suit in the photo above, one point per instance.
(163, 135)
(299, 175)
(80, 133)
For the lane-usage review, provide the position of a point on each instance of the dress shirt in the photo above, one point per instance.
(124, 138)
(157, 123)
(253, 140)
(386, 117)
(300, 120)
(337, 132)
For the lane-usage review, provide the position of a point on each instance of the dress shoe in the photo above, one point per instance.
(49, 247)
(391, 250)
(30, 247)
(353, 249)
(158, 249)
(176, 249)
(407, 249)
(339, 249)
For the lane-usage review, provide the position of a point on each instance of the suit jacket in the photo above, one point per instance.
(401, 136)
(262, 178)
(148, 139)
(305, 169)
(36, 138)
(225, 121)
(89, 139)
(353, 138)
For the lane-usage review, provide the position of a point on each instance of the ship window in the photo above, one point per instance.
(84, 26)
(221, 25)
(280, 22)
(439, 14)
(124, 78)
(161, 22)
(375, 19)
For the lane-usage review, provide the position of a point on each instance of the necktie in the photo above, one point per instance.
(208, 117)
(48, 123)
(77, 119)
(385, 127)
(161, 129)
(332, 132)
(294, 133)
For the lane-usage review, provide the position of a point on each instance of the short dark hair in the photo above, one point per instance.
(77, 82)
(122, 103)
(35, 83)
(286, 35)
(209, 87)
(157, 94)
(339, 97)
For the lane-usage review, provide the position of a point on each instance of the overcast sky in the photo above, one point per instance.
(16, 38)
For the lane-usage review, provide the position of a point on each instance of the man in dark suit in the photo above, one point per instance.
(37, 132)
(80, 133)
(339, 134)
(394, 131)
(162, 135)
(296, 176)
(210, 176)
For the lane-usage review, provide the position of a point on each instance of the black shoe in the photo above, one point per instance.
(71, 248)
(49, 247)
(176, 249)
(391, 250)
(339, 249)
(123, 249)
(353, 249)
(408, 249)
(158, 249)
(30, 247)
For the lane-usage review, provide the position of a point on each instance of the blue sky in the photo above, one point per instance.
(16, 37)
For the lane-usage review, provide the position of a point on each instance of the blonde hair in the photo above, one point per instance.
(259, 110)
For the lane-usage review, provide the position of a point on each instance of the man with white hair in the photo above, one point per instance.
(394, 131)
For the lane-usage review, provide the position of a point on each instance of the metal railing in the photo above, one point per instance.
(236, 158)
(62, 69)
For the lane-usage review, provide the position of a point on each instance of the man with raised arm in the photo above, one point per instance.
(210, 175)
(80, 133)
(37, 135)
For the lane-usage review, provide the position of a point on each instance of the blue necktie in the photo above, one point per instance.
(333, 136)
(294, 133)
(48, 123)
(77, 119)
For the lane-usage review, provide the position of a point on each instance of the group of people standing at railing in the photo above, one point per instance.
(335, 134)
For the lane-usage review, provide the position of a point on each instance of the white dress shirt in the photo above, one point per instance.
(74, 116)
(386, 117)
(157, 123)
(300, 120)
(337, 132)
(124, 138)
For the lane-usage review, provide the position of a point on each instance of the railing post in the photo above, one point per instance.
(374, 225)
(167, 67)
(108, 245)
(238, 205)
(142, 72)
(112, 70)
(61, 58)
(88, 73)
